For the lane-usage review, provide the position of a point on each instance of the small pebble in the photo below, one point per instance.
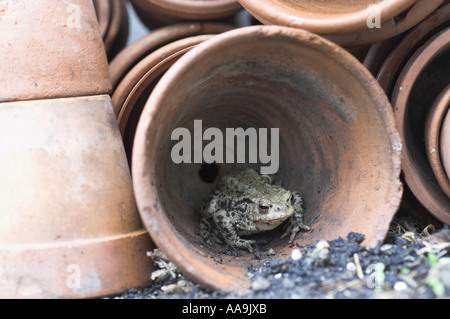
(321, 253)
(400, 285)
(296, 254)
(386, 247)
(322, 244)
(260, 284)
(181, 287)
(351, 267)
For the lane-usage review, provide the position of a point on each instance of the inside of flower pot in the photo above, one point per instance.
(431, 81)
(328, 7)
(336, 145)
(326, 17)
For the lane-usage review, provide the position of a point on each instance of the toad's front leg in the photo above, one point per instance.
(228, 232)
(295, 222)
(207, 230)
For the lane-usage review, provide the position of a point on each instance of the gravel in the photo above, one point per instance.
(410, 264)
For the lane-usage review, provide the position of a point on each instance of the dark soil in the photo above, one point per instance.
(410, 264)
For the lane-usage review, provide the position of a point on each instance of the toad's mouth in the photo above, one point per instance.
(272, 220)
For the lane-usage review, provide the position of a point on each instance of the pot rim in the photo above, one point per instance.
(433, 128)
(274, 12)
(430, 196)
(391, 64)
(145, 72)
(132, 54)
(147, 199)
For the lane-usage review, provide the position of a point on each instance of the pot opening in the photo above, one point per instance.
(329, 136)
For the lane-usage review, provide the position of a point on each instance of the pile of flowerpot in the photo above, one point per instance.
(69, 223)
(359, 93)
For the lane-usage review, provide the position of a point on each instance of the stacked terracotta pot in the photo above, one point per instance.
(413, 70)
(247, 77)
(68, 219)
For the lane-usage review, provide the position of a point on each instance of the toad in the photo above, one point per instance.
(246, 203)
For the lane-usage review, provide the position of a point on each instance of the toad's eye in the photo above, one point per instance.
(263, 208)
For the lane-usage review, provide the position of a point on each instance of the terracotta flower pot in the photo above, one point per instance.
(69, 224)
(326, 17)
(422, 79)
(136, 51)
(112, 17)
(394, 62)
(394, 26)
(338, 143)
(163, 12)
(433, 128)
(65, 56)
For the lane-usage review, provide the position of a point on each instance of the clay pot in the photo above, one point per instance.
(163, 12)
(64, 58)
(112, 17)
(330, 17)
(338, 143)
(395, 25)
(69, 223)
(394, 62)
(136, 51)
(422, 79)
(433, 127)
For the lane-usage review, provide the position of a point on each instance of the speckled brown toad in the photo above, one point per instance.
(246, 203)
